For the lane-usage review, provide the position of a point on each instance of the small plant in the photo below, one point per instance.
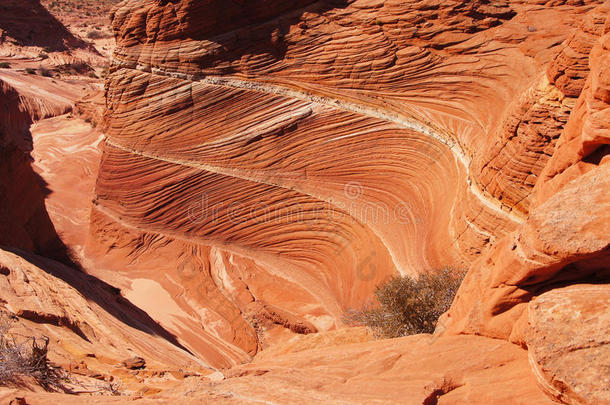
(114, 388)
(19, 360)
(408, 306)
(95, 34)
(46, 72)
(5, 65)
(93, 75)
(30, 71)
(43, 56)
(79, 68)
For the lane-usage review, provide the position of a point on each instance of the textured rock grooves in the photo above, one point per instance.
(320, 146)
(565, 240)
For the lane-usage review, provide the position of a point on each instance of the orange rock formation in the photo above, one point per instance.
(265, 164)
(327, 145)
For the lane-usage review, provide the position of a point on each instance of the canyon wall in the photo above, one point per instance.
(24, 221)
(284, 157)
(565, 237)
(265, 164)
(545, 285)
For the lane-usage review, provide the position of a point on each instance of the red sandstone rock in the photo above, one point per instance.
(555, 245)
(31, 36)
(324, 145)
(570, 68)
(24, 100)
(584, 143)
(413, 370)
(274, 162)
(566, 236)
(134, 363)
(28, 23)
(66, 155)
(568, 342)
(86, 320)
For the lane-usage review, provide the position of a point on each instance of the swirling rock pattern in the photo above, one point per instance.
(299, 152)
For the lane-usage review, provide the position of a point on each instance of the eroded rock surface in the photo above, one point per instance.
(322, 146)
(413, 370)
(90, 325)
(566, 237)
(24, 100)
(565, 240)
(266, 164)
(569, 344)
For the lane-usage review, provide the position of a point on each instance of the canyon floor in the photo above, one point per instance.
(193, 194)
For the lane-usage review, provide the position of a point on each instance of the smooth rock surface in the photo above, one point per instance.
(412, 370)
(569, 342)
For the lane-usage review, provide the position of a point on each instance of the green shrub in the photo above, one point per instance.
(43, 56)
(30, 71)
(5, 65)
(408, 306)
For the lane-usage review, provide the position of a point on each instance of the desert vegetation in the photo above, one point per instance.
(403, 305)
(95, 34)
(88, 8)
(46, 72)
(24, 359)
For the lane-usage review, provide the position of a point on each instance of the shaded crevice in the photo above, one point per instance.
(51, 319)
(445, 388)
(103, 294)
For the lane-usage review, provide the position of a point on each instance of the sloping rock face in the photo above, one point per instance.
(28, 23)
(32, 37)
(299, 152)
(91, 327)
(565, 240)
(342, 367)
(24, 222)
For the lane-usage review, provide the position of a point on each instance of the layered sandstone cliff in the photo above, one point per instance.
(265, 164)
(565, 240)
(321, 146)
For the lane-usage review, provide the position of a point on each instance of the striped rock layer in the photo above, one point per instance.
(289, 155)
